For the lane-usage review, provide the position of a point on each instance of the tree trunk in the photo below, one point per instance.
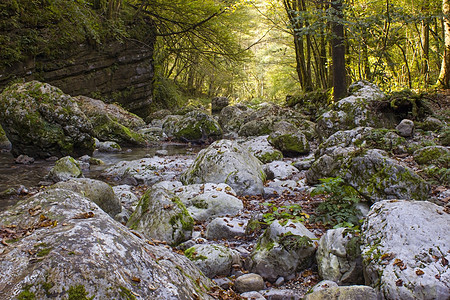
(338, 51)
(444, 76)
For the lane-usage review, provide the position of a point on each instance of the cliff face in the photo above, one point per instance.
(119, 72)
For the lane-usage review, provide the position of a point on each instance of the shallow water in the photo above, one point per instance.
(14, 175)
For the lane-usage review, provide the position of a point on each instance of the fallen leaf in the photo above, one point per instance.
(444, 261)
(135, 279)
(85, 215)
(419, 272)
(35, 210)
(399, 282)
(388, 256)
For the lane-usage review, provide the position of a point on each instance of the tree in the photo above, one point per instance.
(444, 76)
(338, 50)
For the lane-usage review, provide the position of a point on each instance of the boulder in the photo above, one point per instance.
(5, 144)
(168, 125)
(249, 282)
(65, 247)
(406, 250)
(208, 201)
(371, 172)
(282, 250)
(279, 170)
(41, 121)
(219, 103)
(262, 149)
(437, 155)
(225, 228)
(405, 128)
(227, 162)
(287, 138)
(65, 168)
(356, 110)
(97, 191)
(197, 127)
(212, 260)
(162, 216)
(146, 170)
(111, 122)
(339, 257)
(107, 146)
(355, 292)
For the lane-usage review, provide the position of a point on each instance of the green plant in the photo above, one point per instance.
(291, 241)
(340, 202)
(284, 213)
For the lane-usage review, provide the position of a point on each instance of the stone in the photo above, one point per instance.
(212, 260)
(438, 155)
(107, 146)
(339, 257)
(405, 128)
(5, 144)
(225, 228)
(287, 138)
(126, 197)
(24, 160)
(162, 216)
(282, 250)
(323, 285)
(249, 282)
(371, 172)
(231, 119)
(219, 103)
(41, 121)
(356, 292)
(97, 191)
(197, 127)
(227, 162)
(279, 170)
(253, 296)
(405, 250)
(262, 149)
(65, 168)
(78, 250)
(168, 125)
(208, 201)
(281, 294)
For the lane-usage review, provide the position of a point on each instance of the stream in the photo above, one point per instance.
(14, 175)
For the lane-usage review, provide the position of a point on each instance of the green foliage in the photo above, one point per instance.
(284, 214)
(166, 93)
(340, 202)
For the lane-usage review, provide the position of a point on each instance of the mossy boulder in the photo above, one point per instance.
(282, 250)
(73, 248)
(262, 149)
(444, 136)
(371, 172)
(162, 216)
(196, 126)
(227, 162)
(212, 260)
(4, 142)
(97, 191)
(65, 168)
(287, 138)
(356, 110)
(41, 121)
(111, 122)
(437, 155)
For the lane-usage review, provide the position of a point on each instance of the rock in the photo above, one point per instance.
(5, 144)
(197, 127)
(219, 103)
(339, 257)
(212, 260)
(208, 201)
(437, 155)
(162, 216)
(287, 138)
(279, 187)
(225, 228)
(363, 137)
(262, 149)
(231, 119)
(111, 122)
(431, 124)
(153, 134)
(282, 250)
(97, 191)
(168, 125)
(227, 162)
(405, 247)
(41, 121)
(146, 170)
(405, 128)
(127, 199)
(65, 168)
(224, 283)
(372, 173)
(354, 111)
(249, 282)
(323, 285)
(24, 160)
(107, 146)
(281, 294)
(253, 296)
(85, 253)
(279, 170)
(356, 292)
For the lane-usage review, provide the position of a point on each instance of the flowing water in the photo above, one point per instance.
(13, 176)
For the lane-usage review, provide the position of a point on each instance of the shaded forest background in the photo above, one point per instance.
(248, 50)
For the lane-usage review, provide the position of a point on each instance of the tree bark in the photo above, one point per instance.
(338, 51)
(444, 76)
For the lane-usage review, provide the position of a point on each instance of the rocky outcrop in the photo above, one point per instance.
(67, 248)
(405, 250)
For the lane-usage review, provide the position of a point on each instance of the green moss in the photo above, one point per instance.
(26, 294)
(44, 252)
(46, 286)
(192, 254)
(78, 293)
(268, 157)
(187, 222)
(126, 293)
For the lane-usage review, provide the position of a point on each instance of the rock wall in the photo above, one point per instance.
(119, 72)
